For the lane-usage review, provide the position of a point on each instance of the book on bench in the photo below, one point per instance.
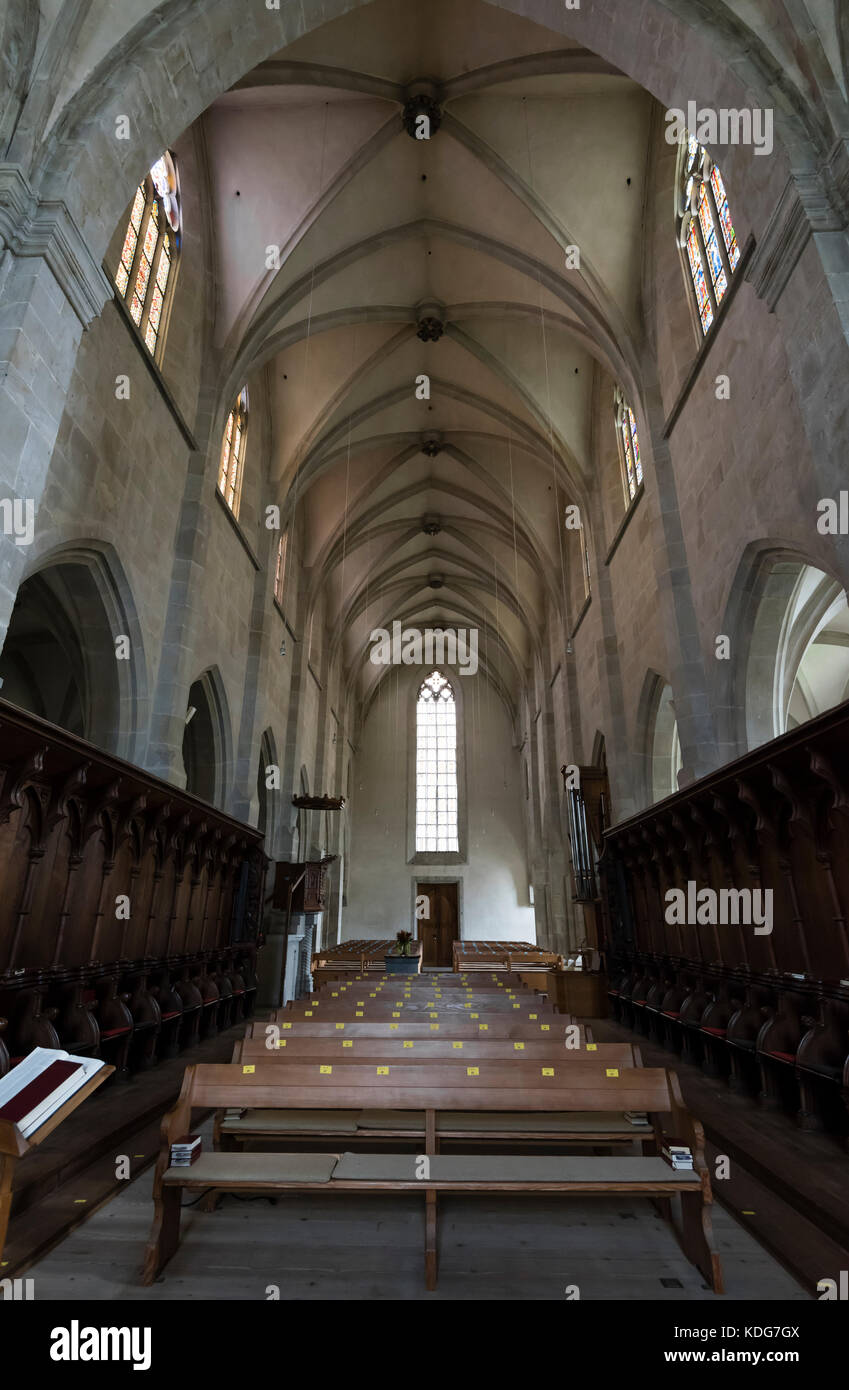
(186, 1151)
(678, 1156)
(637, 1117)
(40, 1084)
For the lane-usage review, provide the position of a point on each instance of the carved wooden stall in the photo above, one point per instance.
(768, 1010)
(129, 910)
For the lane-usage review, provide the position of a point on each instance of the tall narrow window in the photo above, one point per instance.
(629, 446)
(436, 767)
(231, 470)
(585, 562)
(706, 231)
(145, 275)
(280, 570)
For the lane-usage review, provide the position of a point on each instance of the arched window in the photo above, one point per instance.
(231, 470)
(797, 665)
(665, 747)
(145, 274)
(280, 568)
(705, 230)
(436, 767)
(628, 443)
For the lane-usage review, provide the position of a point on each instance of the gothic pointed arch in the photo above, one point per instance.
(208, 740)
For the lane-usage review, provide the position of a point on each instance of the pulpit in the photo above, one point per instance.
(306, 882)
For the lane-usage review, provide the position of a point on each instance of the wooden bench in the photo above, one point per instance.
(421, 983)
(507, 1026)
(579, 1088)
(515, 1069)
(258, 1048)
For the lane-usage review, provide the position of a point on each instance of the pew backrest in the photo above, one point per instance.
(455, 1050)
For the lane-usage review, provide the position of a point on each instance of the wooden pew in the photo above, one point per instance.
(505, 1026)
(232, 1130)
(422, 983)
(580, 1087)
(259, 1048)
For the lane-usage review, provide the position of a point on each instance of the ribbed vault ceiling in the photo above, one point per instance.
(542, 146)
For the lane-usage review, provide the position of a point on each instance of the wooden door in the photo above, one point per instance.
(440, 929)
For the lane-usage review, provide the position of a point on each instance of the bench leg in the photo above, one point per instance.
(697, 1239)
(210, 1201)
(430, 1240)
(165, 1232)
(663, 1207)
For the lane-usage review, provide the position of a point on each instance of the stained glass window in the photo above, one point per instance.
(232, 464)
(280, 571)
(712, 259)
(149, 251)
(697, 270)
(632, 463)
(436, 767)
(725, 222)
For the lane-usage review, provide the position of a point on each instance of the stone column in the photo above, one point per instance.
(51, 288)
(687, 674)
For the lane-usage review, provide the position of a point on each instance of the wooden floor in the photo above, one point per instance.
(371, 1248)
(781, 1221)
(788, 1186)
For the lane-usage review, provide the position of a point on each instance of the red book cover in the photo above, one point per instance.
(37, 1090)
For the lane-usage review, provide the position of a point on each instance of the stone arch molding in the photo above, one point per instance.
(162, 76)
(273, 809)
(106, 610)
(769, 634)
(218, 708)
(656, 746)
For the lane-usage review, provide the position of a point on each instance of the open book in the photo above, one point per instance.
(37, 1087)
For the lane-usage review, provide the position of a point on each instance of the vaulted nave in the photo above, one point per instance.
(424, 655)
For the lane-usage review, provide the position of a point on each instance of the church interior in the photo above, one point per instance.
(424, 651)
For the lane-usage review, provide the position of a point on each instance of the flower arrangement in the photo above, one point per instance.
(404, 940)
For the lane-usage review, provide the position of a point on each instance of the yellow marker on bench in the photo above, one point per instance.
(246, 1071)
